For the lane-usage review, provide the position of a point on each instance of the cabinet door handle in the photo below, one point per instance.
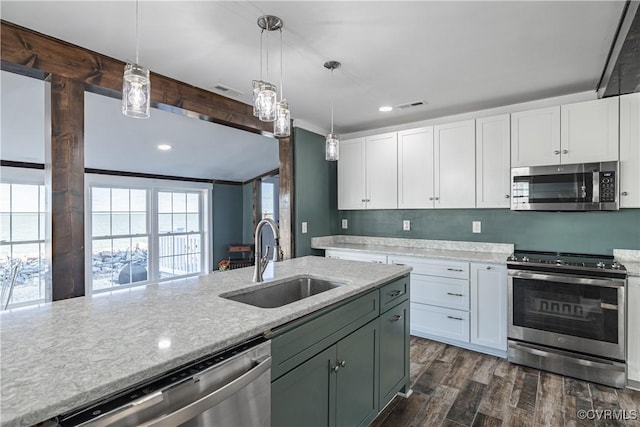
(395, 318)
(488, 267)
(455, 295)
(565, 151)
(455, 318)
(556, 151)
(455, 269)
(397, 263)
(624, 193)
(394, 293)
(506, 196)
(430, 198)
(436, 198)
(364, 200)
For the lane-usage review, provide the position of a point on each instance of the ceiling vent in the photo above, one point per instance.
(226, 90)
(411, 105)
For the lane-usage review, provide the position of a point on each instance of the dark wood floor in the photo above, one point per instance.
(457, 387)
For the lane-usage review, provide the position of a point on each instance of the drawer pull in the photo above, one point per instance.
(455, 269)
(397, 263)
(395, 318)
(455, 318)
(455, 295)
(394, 293)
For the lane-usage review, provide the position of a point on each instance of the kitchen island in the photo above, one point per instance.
(59, 356)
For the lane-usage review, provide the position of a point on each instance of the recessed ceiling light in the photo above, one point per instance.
(164, 147)
(385, 108)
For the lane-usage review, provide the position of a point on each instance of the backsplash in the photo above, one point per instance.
(582, 232)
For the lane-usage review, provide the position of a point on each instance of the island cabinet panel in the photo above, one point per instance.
(326, 368)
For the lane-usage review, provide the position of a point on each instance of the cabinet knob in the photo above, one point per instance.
(565, 151)
(506, 196)
(430, 198)
(335, 368)
(395, 318)
(437, 198)
(556, 151)
(364, 200)
(342, 363)
(488, 267)
(624, 193)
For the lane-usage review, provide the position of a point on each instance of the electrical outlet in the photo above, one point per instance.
(304, 227)
(406, 225)
(477, 227)
(345, 224)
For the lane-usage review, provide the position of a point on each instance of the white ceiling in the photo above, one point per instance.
(112, 141)
(457, 56)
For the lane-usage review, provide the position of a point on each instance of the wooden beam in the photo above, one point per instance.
(65, 179)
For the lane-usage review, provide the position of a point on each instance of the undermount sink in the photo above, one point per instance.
(283, 293)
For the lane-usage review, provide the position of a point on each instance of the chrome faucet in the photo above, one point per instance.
(262, 261)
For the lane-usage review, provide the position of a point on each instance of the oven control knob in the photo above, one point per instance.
(512, 257)
(615, 265)
(525, 259)
(600, 264)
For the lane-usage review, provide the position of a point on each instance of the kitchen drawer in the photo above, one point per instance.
(394, 293)
(438, 321)
(298, 341)
(440, 291)
(356, 256)
(441, 268)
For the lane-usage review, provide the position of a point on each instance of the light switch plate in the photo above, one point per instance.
(477, 227)
(345, 224)
(406, 225)
(304, 227)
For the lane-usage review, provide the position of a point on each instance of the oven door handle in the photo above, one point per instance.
(565, 278)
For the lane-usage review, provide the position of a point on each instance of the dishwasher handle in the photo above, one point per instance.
(207, 402)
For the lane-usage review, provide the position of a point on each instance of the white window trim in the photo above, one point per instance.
(152, 185)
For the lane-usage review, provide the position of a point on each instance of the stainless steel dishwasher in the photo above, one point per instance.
(231, 388)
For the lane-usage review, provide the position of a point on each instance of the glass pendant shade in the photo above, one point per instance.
(136, 91)
(331, 148)
(266, 102)
(282, 125)
(256, 90)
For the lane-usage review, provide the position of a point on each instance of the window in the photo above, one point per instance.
(22, 236)
(144, 232)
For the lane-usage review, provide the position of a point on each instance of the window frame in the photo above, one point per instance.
(33, 176)
(152, 186)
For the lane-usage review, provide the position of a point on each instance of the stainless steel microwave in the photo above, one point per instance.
(578, 187)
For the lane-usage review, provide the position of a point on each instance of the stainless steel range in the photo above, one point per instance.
(567, 315)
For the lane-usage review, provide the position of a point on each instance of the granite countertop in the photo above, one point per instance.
(444, 249)
(630, 258)
(58, 356)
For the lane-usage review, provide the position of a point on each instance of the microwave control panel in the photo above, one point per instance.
(607, 186)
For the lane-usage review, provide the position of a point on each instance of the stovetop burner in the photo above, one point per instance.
(559, 261)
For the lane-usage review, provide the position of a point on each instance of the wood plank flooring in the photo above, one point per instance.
(458, 387)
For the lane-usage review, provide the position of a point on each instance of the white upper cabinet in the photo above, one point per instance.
(455, 165)
(493, 172)
(535, 137)
(415, 168)
(381, 152)
(629, 179)
(589, 131)
(367, 173)
(351, 175)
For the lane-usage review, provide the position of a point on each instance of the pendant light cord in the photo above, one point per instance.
(261, 33)
(332, 96)
(137, 36)
(281, 90)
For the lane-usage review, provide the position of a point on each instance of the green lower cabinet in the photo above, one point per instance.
(356, 381)
(302, 397)
(337, 387)
(394, 352)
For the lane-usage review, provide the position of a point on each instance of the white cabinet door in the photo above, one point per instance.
(489, 305)
(440, 291)
(455, 165)
(415, 168)
(493, 162)
(535, 137)
(351, 175)
(589, 131)
(633, 329)
(382, 171)
(629, 180)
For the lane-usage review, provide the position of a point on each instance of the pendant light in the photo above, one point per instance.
(136, 86)
(332, 148)
(282, 124)
(265, 104)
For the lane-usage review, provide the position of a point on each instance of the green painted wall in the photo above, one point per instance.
(227, 219)
(583, 232)
(315, 189)
(247, 213)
